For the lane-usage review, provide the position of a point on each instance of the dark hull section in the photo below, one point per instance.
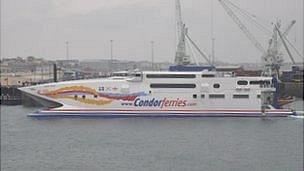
(10, 95)
(41, 101)
(291, 89)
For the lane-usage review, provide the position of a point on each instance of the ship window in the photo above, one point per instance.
(216, 85)
(202, 96)
(240, 96)
(216, 96)
(136, 74)
(257, 82)
(242, 82)
(194, 96)
(208, 75)
(254, 82)
(258, 96)
(171, 76)
(172, 85)
(95, 96)
(83, 96)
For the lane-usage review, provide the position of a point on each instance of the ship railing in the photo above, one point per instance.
(8, 97)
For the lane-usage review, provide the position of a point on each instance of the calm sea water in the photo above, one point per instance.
(30, 144)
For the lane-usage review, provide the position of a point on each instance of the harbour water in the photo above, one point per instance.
(30, 144)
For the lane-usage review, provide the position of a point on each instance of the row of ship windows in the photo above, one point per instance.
(216, 85)
(259, 82)
(176, 75)
(211, 96)
(222, 96)
(172, 85)
(240, 82)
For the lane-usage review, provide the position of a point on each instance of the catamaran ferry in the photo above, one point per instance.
(161, 93)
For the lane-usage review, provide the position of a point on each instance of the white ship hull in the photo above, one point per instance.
(175, 94)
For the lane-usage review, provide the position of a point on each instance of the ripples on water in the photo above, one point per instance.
(149, 143)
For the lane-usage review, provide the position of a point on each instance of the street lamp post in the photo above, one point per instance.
(111, 55)
(152, 54)
(67, 50)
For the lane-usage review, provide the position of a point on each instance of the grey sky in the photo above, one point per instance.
(41, 27)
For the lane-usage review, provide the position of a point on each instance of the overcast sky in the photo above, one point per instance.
(41, 28)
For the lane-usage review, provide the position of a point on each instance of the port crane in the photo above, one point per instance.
(272, 58)
(181, 56)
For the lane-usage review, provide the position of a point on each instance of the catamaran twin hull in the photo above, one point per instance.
(176, 94)
(161, 113)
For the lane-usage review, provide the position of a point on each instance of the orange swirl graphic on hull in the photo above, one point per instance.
(71, 91)
(80, 89)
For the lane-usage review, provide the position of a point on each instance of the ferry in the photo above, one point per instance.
(160, 93)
